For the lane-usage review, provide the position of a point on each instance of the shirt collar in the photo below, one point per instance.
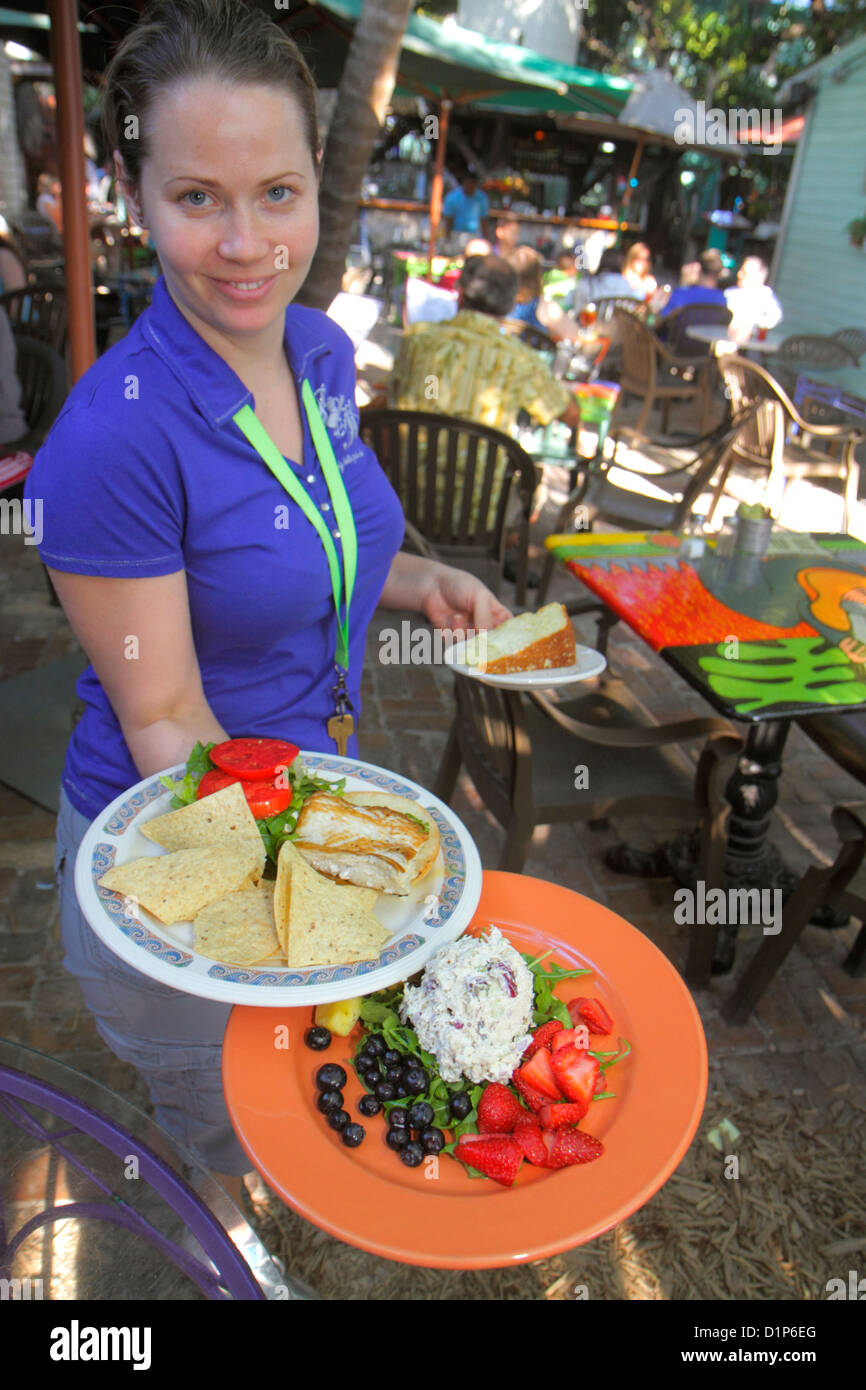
(215, 389)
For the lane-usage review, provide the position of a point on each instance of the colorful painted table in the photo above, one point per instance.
(764, 640)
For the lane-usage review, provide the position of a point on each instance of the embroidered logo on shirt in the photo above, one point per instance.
(340, 415)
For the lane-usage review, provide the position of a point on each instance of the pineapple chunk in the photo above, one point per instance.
(341, 1017)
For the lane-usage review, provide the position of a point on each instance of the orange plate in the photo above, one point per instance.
(366, 1196)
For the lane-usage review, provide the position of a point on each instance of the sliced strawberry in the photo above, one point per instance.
(526, 1118)
(538, 1071)
(531, 1141)
(497, 1156)
(575, 1073)
(593, 1014)
(567, 1146)
(534, 1099)
(565, 1113)
(600, 1084)
(542, 1037)
(498, 1110)
(575, 1037)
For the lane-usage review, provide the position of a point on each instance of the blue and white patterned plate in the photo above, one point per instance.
(436, 911)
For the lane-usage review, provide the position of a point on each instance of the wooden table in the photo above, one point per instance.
(764, 640)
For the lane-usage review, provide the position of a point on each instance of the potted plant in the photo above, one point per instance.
(856, 230)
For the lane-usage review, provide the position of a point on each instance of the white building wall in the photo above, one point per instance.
(551, 27)
(13, 187)
(820, 277)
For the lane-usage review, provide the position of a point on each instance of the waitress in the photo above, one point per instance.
(207, 500)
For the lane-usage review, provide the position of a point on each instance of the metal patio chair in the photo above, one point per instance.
(601, 499)
(747, 384)
(854, 339)
(520, 752)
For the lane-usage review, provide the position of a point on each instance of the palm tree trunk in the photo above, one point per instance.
(365, 91)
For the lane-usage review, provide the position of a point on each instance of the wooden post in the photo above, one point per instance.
(66, 61)
(436, 190)
(633, 171)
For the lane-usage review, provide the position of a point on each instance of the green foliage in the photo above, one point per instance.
(737, 53)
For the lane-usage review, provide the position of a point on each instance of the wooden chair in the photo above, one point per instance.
(765, 447)
(455, 479)
(39, 313)
(650, 370)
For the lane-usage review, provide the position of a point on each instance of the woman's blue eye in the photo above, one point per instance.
(280, 188)
(195, 193)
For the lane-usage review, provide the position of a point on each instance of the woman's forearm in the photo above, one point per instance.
(169, 741)
(410, 581)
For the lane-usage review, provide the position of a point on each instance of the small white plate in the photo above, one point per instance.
(436, 911)
(589, 663)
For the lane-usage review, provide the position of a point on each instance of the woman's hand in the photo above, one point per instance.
(459, 600)
(449, 598)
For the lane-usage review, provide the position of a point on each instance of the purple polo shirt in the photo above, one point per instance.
(145, 473)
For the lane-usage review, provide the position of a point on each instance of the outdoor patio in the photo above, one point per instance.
(791, 1081)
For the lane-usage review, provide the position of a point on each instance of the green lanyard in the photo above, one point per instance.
(261, 441)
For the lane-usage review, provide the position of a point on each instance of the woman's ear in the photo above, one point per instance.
(127, 187)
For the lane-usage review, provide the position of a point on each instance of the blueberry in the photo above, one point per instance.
(412, 1154)
(375, 1044)
(352, 1135)
(394, 1074)
(416, 1080)
(460, 1105)
(371, 1078)
(431, 1140)
(369, 1105)
(397, 1138)
(383, 1090)
(330, 1077)
(329, 1101)
(390, 1057)
(317, 1038)
(420, 1115)
(398, 1118)
(338, 1119)
(364, 1061)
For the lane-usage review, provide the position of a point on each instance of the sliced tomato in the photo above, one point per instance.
(214, 782)
(254, 759)
(264, 799)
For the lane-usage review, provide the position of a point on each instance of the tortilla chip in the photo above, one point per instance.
(239, 928)
(175, 887)
(320, 922)
(224, 818)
